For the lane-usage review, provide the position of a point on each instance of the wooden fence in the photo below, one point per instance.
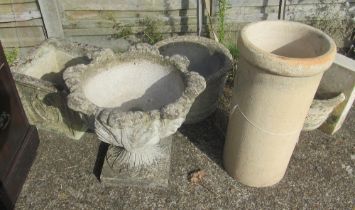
(328, 15)
(21, 23)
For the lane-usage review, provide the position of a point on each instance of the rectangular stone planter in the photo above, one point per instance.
(339, 78)
(41, 87)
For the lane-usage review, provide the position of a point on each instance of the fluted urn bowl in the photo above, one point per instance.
(134, 99)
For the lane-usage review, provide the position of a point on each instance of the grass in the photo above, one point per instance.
(234, 51)
(11, 55)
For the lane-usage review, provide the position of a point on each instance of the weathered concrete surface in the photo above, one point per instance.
(135, 118)
(211, 60)
(339, 78)
(39, 81)
(154, 175)
(117, 45)
(320, 110)
(318, 176)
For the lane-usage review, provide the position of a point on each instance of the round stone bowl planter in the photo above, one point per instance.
(280, 66)
(211, 60)
(136, 99)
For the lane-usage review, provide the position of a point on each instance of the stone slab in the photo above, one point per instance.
(339, 78)
(152, 176)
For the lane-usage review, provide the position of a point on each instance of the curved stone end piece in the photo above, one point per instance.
(320, 111)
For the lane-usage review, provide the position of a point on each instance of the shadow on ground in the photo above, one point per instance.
(206, 137)
(320, 175)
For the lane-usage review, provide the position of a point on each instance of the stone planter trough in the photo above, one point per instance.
(42, 90)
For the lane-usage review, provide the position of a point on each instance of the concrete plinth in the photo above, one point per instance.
(155, 175)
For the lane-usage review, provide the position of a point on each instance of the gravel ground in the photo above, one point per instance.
(320, 175)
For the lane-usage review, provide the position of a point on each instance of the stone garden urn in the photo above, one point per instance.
(135, 100)
(211, 60)
(280, 66)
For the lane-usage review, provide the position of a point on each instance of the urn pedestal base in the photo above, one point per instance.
(154, 176)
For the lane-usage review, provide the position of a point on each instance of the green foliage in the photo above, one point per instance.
(234, 51)
(333, 119)
(150, 33)
(223, 5)
(121, 31)
(11, 55)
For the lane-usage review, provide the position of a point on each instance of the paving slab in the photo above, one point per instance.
(320, 175)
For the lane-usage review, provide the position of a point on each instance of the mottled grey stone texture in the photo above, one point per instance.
(320, 111)
(210, 59)
(135, 125)
(154, 176)
(339, 78)
(42, 90)
(46, 107)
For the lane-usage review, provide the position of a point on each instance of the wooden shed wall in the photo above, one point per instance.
(21, 24)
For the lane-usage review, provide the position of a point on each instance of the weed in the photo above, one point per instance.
(234, 51)
(11, 55)
(150, 33)
(121, 31)
(222, 8)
